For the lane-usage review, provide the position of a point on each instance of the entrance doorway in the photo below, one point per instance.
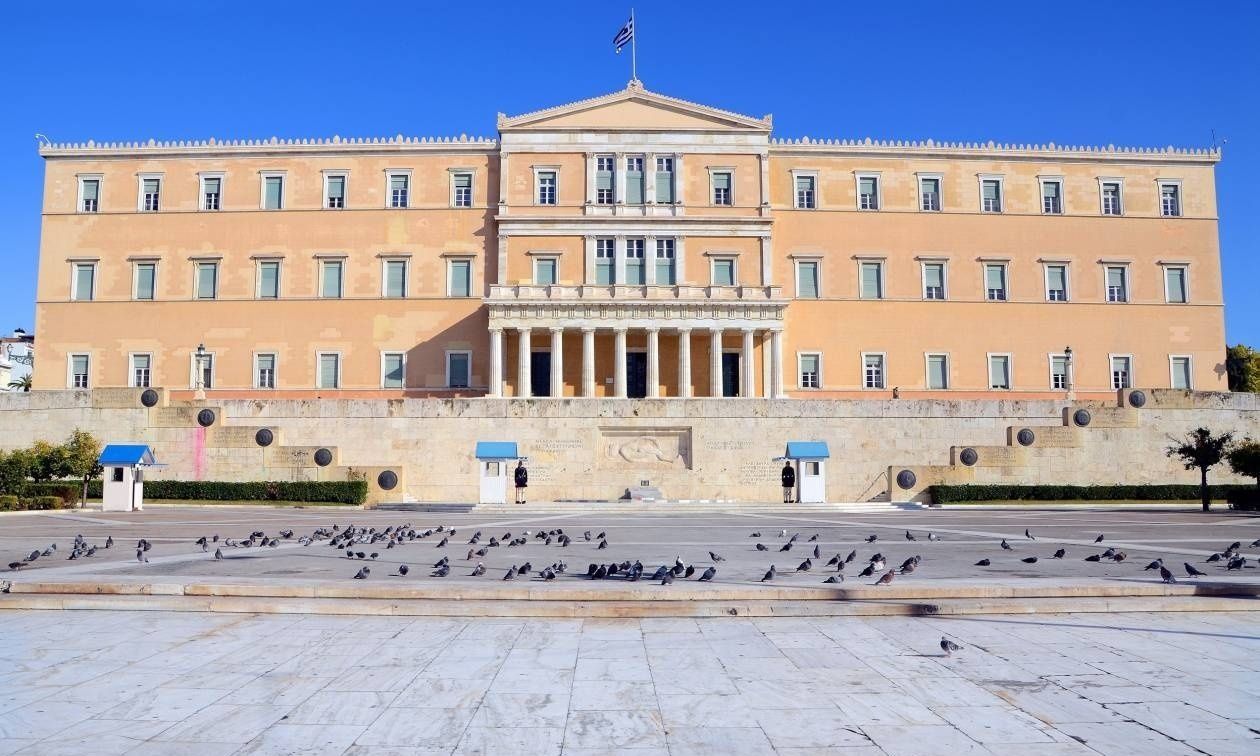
(730, 374)
(540, 374)
(636, 375)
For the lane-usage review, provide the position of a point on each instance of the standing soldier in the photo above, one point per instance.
(788, 476)
(521, 477)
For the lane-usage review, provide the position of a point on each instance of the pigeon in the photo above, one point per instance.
(1029, 560)
(835, 579)
(1213, 558)
(783, 533)
(872, 538)
(1028, 535)
(948, 646)
(442, 571)
(755, 535)
(805, 566)
(762, 547)
(1094, 558)
(886, 579)
(1120, 556)
(587, 535)
(769, 575)
(910, 536)
(870, 570)
(933, 537)
(403, 569)
(1166, 574)
(1154, 565)
(1193, 571)
(603, 544)
(877, 563)
(983, 563)
(667, 578)
(16, 565)
(1099, 539)
(786, 547)
(1255, 543)
(852, 555)
(480, 569)
(218, 553)
(109, 541)
(813, 538)
(511, 573)
(1237, 563)
(1006, 546)
(140, 557)
(443, 542)
(1059, 554)
(362, 573)
(817, 552)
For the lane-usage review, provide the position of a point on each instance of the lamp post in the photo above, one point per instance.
(1067, 368)
(200, 377)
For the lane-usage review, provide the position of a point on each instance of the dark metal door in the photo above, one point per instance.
(540, 373)
(730, 374)
(636, 375)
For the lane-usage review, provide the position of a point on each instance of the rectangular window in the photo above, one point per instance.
(399, 189)
(458, 369)
(265, 371)
(634, 180)
(929, 194)
(84, 284)
(724, 271)
(141, 365)
(807, 279)
(1056, 283)
(1111, 198)
(1181, 376)
(462, 189)
(1117, 283)
(605, 262)
(393, 370)
(1175, 290)
(1170, 200)
(146, 280)
(872, 280)
(933, 280)
(546, 187)
(150, 195)
(806, 196)
(999, 371)
(210, 190)
(330, 278)
(991, 196)
(722, 188)
(207, 280)
(1121, 369)
(329, 371)
(79, 371)
(873, 371)
(868, 192)
(1058, 371)
(273, 192)
(665, 270)
(335, 188)
(810, 365)
(460, 273)
(938, 371)
(605, 179)
(90, 189)
(545, 271)
(995, 282)
(207, 371)
(665, 180)
(636, 274)
(396, 278)
(269, 279)
(1052, 197)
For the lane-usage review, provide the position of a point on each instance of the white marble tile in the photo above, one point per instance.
(45, 718)
(1181, 721)
(883, 709)
(616, 695)
(1125, 739)
(305, 739)
(341, 708)
(163, 704)
(808, 728)
(995, 724)
(418, 728)
(625, 670)
(443, 693)
(692, 710)
(492, 741)
(926, 740)
(614, 730)
(719, 741)
(226, 723)
(519, 710)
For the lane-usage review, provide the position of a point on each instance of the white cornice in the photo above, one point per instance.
(635, 91)
(273, 146)
(932, 149)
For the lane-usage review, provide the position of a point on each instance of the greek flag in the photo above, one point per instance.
(625, 35)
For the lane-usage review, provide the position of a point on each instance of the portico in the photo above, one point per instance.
(639, 340)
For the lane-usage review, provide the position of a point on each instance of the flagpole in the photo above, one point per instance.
(634, 65)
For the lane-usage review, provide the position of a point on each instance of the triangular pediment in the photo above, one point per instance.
(633, 109)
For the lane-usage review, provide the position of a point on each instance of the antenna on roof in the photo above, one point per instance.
(1215, 146)
(43, 140)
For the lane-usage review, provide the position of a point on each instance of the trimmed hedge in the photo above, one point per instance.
(65, 489)
(1156, 492)
(324, 491)
(16, 504)
(8, 503)
(1245, 498)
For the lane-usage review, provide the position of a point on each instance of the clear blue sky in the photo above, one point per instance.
(1146, 73)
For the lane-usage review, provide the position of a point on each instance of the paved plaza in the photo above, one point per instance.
(198, 684)
(965, 537)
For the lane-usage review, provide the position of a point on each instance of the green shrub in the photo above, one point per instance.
(41, 502)
(62, 489)
(8, 503)
(1155, 492)
(317, 491)
(1245, 498)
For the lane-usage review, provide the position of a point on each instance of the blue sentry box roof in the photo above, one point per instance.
(807, 450)
(127, 454)
(496, 450)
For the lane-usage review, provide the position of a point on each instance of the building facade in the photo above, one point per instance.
(631, 245)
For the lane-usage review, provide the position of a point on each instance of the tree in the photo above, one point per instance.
(1244, 459)
(15, 468)
(82, 451)
(21, 384)
(47, 462)
(1200, 449)
(1242, 364)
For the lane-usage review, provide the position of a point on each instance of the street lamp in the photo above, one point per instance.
(200, 356)
(1067, 368)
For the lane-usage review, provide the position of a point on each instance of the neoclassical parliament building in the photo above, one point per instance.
(630, 245)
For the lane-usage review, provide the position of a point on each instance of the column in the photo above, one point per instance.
(496, 362)
(619, 260)
(522, 363)
(715, 362)
(767, 379)
(557, 362)
(649, 260)
(776, 368)
(748, 385)
(588, 362)
(767, 262)
(684, 363)
(654, 363)
(619, 370)
(500, 262)
(763, 161)
(590, 178)
(619, 178)
(588, 274)
(649, 178)
(503, 182)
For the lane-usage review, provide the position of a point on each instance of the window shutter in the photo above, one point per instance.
(206, 275)
(995, 277)
(337, 187)
(990, 189)
(1115, 276)
(804, 183)
(809, 363)
(1176, 284)
(934, 275)
(1050, 189)
(665, 186)
(80, 365)
(721, 181)
(1181, 373)
(931, 186)
(328, 371)
(84, 275)
(1057, 277)
(151, 186)
(997, 372)
(461, 283)
(870, 281)
(463, 181)
(395, 278)
(266, 362)
(393, 371)
(269, 280)
(144, 281)
(397, 183)
(604, 180)
(807, 280)
(91, 189)
(634, 187)
(936, 372)
(212, 186)
(332, 279)
(866, 185)
(272, 194)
